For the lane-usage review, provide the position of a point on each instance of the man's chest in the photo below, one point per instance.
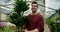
(33, 19)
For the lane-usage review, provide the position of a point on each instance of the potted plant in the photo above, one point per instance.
(17, 17)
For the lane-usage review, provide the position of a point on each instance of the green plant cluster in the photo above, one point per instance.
(53, 25)
(6, 29)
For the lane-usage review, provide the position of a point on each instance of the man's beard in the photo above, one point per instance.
(33, 11)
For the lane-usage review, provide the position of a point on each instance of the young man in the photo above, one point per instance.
(36, 20)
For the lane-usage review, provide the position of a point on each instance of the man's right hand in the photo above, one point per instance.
(25, 30)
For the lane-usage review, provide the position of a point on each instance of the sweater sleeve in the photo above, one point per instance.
(40, 24)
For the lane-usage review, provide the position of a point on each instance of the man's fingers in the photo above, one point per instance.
(25, 30)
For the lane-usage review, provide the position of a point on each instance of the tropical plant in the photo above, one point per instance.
(17, 17)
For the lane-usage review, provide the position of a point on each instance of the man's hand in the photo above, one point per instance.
(25, 30)
(36, 30)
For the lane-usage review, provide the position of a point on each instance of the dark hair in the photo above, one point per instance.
(35, 3)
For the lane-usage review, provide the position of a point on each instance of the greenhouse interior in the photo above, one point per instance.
(50, 9)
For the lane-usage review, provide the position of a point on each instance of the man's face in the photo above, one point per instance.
(34, 7)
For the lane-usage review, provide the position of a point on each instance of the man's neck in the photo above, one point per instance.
(34, 13)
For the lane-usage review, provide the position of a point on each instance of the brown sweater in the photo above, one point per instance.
(35, 22)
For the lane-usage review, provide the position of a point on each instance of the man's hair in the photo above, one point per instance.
(35, 3)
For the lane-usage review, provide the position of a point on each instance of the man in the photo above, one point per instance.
(36, 21)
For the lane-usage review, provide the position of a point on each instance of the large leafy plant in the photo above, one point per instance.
(17, 17)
